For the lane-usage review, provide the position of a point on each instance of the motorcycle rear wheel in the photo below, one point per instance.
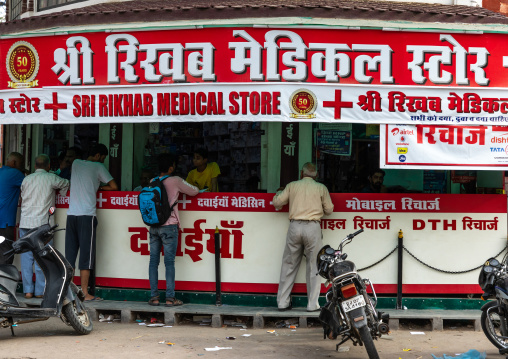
(80, 322)
(492, 328)
(368, 342)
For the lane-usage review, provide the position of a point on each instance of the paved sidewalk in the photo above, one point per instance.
(260, 315)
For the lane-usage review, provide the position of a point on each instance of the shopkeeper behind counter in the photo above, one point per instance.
(205, 175)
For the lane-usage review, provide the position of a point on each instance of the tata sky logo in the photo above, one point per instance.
(499, 149)
(402, 158)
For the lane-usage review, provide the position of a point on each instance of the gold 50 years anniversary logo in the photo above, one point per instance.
(22, 65)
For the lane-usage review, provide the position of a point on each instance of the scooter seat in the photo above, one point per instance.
(9, 271)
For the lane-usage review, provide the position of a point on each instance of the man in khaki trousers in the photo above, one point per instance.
(308, 202)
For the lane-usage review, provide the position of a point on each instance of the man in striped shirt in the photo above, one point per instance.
(37, 196)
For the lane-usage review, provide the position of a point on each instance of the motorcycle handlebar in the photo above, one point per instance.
(356, 233)
(349, 238)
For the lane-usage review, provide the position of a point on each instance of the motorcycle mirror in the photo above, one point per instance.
(51, 211)
(329, 251)
(488, 269)
(494, 262)
(2, 239)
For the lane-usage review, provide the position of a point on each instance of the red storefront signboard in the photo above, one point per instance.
(256, 74)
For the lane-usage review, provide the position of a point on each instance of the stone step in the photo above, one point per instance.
(260, 315)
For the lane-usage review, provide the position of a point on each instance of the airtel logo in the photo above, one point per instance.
(396, 131)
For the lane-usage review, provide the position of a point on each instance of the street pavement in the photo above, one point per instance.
(113, 339)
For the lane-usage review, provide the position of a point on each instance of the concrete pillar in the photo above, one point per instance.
(104, 139)
(437, 323)
(302, 322)
(258, 321)
(170, 318)
(477, 325)
(305, 142)
(217, 321)
(393, 324)
(127, 158)
(35, 135)
(273, 161)
(127, 316)
(92, 313)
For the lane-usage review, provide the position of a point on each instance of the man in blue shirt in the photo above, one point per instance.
(11, 177)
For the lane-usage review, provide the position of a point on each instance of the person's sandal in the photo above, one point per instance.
(173, 302)
(154, 301)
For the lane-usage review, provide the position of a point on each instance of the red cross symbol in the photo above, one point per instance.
(55, 106)
(337, 104)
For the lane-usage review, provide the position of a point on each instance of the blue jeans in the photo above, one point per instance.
(166, 236)
(27, 271)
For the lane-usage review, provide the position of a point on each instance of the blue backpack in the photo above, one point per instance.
(154, 204)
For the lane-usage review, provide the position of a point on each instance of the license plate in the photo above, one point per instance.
(353, 303)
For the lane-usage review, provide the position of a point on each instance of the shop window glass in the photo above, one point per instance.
(48, 4)
(57, 140)
(234, 146)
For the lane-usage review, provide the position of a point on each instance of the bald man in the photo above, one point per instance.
(308, 202)
(11, 177)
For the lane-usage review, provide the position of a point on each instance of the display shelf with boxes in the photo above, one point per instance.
(234, 146)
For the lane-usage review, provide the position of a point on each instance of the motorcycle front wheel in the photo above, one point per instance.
(491, 326)
(79, 321)
(368, 342)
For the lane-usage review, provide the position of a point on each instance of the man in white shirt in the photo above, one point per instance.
(37, 196)
(80, 233)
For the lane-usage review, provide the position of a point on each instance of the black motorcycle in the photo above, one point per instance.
(349, 311)
(62, 298)
(493, 280)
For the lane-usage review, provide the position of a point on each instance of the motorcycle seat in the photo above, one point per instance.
(9, 271)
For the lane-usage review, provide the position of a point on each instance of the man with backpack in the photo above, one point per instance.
(165, 234)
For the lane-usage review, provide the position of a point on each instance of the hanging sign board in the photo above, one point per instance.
(255, 74)
(444, 147)
(334, 142)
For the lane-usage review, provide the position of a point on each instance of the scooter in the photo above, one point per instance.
(62, 298)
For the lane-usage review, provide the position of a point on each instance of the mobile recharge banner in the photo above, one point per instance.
(319, 75)
(470, 227)
(444, 147)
